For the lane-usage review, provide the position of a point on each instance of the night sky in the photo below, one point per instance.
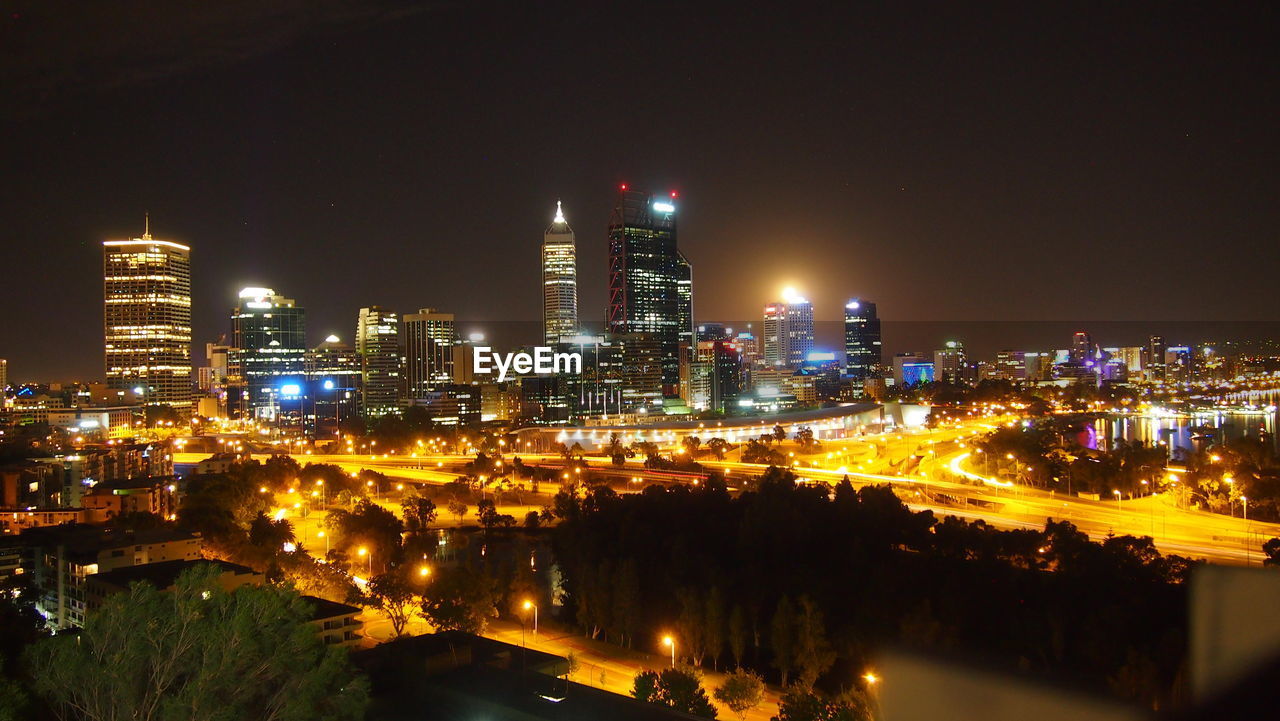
(950, 162)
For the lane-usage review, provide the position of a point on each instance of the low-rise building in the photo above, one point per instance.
(337, 623)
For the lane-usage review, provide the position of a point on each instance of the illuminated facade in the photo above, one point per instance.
(788, 331)
(147, 319)
(378, 343)
(268, 351)
(862, 356)
(559, 280)
(650, 281)
(428, 338)
(333, 373)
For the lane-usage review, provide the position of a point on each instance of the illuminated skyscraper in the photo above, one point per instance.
(4, 374)
(949, 363)
(378, 345)
(788, 331)
(333, 373)
(428, 338)
(147, 319)
(861, 339)
(269, 344)
(650, 281)
(559, 280)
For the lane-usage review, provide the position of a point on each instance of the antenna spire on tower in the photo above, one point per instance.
(559, 213)
(146, 226)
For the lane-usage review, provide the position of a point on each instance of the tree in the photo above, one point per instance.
(692, 625)
(741, 692)
(392, 594)
(813, 653)
(718, 446)
(267, 533)
(779, 433)
(488, 515)
(737, 635)
(189, 653)
(800, 704)
(676, 688)
(782, 631)
(369, 523)
(459, 599)
(1272, 550)
(419, 513)
(458, 509)
(714, 625)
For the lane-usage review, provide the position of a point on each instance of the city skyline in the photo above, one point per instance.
(904, 205)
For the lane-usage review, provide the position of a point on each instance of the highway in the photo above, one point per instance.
(930, 470)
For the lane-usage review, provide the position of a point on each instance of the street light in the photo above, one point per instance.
(365, 552)
(528, 605)
(871, 678)
(671, 642)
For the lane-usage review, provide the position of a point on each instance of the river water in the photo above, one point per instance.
(1193, 428)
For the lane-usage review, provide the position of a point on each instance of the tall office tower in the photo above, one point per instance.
(334, 373)
(1155, 368)
(4, 374)
(724, 383)
(949, 363)
(862, 355)
(378, 343)
(788, 330)
(147, 314)
(1081, 347)
(559, 280)
(269, 343)
(650, 281)
(427, 340)
(775, 334)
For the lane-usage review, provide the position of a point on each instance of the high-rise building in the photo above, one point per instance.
(269, 343)
(559, 280)
(788, 331)
(650, 281)
(334, 374)
(1155, 368)
(427, 339)
(1081, 347)
(4, 374)
(949, 363)
(378, 344)
(862, 347)
(725, 379)
(147, 318)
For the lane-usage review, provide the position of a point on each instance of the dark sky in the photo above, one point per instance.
(953, 162)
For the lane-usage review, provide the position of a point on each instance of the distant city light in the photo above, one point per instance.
(664, 207)
(290, 389)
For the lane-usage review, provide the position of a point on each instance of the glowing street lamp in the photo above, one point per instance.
(528, 605)
(670, 642)
(365, 552)
(871, 678)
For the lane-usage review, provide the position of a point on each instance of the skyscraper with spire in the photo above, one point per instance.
(147, 318)
(559, 280)
(650, 280)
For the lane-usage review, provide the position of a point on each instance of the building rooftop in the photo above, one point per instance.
(324, 608)
(164, 574)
